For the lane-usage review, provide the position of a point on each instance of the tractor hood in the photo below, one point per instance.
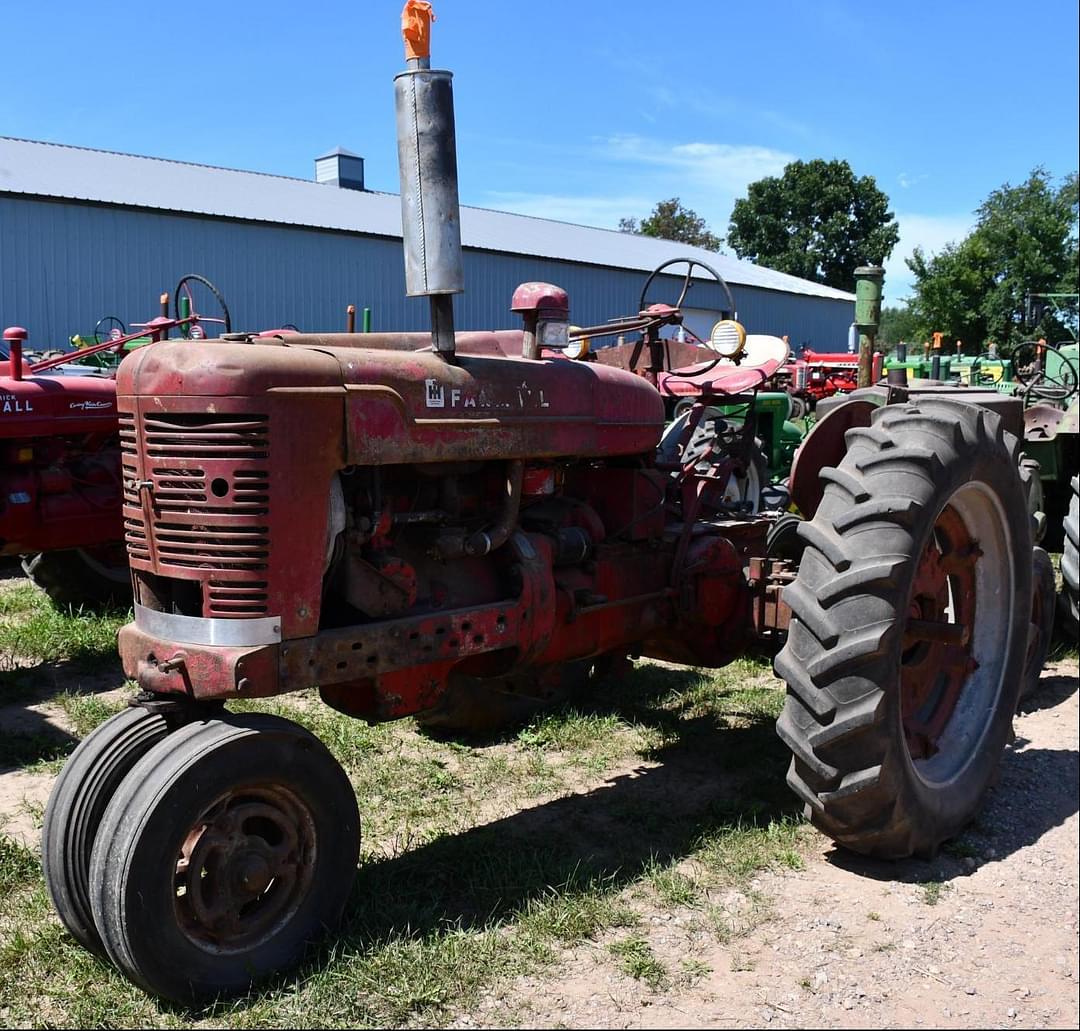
(406, 405)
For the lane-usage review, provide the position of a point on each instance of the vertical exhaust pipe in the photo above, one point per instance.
(427, 163)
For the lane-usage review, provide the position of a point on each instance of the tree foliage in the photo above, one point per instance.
(671, 221)
(817, 220)
(898, 323)
(1024, 242)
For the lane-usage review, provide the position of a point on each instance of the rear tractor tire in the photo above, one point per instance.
(227, 848)
(910, 628)
(1069, 602)
(1041, 633)
(90, 578)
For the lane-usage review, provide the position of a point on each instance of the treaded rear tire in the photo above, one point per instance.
(851, 603)
(74, 579)
(1042, 618)
(1070, 566)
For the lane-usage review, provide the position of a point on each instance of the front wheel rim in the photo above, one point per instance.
(244, 868)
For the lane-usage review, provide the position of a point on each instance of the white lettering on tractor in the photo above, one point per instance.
(523, 396)
(12, 404)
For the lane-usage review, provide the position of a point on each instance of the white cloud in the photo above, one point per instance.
(931, 233)
(726, 167)
(907, 179)
(706, 177)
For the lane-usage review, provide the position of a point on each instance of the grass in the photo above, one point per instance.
(636, 959)
(31, 629)
(478, 864)
(934, 891)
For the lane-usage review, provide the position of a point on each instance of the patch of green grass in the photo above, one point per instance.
(636, 958)
(674, 888)
(87, 711)
(934, 891)
(573, 731)
(742, 849)
(693, 970)
(18, 865)
(20, 598)
(574, 915)
(31, 629)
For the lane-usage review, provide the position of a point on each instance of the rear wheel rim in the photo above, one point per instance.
(956, 634)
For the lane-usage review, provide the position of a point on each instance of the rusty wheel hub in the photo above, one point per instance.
(244, 867)
(937, 656)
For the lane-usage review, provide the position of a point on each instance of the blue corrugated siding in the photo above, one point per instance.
(64, 265)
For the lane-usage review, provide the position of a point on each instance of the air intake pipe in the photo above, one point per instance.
(427, 163)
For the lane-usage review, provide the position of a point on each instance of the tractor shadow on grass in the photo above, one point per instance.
(711, 783)
(710, 780)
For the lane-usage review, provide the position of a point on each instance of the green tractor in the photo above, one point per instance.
(1048, 378)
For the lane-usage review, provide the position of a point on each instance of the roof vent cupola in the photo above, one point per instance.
(340, 167)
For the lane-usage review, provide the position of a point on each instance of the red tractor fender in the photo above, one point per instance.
(824, 446)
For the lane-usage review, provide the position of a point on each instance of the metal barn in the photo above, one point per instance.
(86, 233)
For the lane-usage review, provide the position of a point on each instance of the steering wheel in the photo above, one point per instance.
(1030, 371)
(182, 287)
(690, 263)
(978, 377)
(107, 326)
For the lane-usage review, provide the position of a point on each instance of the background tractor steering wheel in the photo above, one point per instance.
(991, 375)
(1030, 371)
(687, 282)
(182, 288)
(109, 326)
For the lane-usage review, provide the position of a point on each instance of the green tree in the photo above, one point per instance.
(899, 323)
(671, 221)
(1024, 243)
(817, 220)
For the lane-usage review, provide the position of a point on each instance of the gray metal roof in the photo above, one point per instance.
(79, 173)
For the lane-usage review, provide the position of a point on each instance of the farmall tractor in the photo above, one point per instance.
(60, 480)
(398, 519)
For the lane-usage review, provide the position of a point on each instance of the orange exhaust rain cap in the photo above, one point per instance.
(416, 19)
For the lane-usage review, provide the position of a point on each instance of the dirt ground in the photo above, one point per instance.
(983, 936)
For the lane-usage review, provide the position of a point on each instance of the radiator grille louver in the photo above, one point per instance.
(194, 436)
(134, 526)
(210, 507)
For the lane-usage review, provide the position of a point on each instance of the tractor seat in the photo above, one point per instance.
(722, 378)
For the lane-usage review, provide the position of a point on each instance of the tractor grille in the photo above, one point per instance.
(193, 435)
(134, 525)
(210, 502)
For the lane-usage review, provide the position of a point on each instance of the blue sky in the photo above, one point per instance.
(582, 112)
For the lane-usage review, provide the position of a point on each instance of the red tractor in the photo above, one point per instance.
(60, 482)
(428, 524)
(816, 375)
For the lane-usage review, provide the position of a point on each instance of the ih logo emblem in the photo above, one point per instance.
(436, 397)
